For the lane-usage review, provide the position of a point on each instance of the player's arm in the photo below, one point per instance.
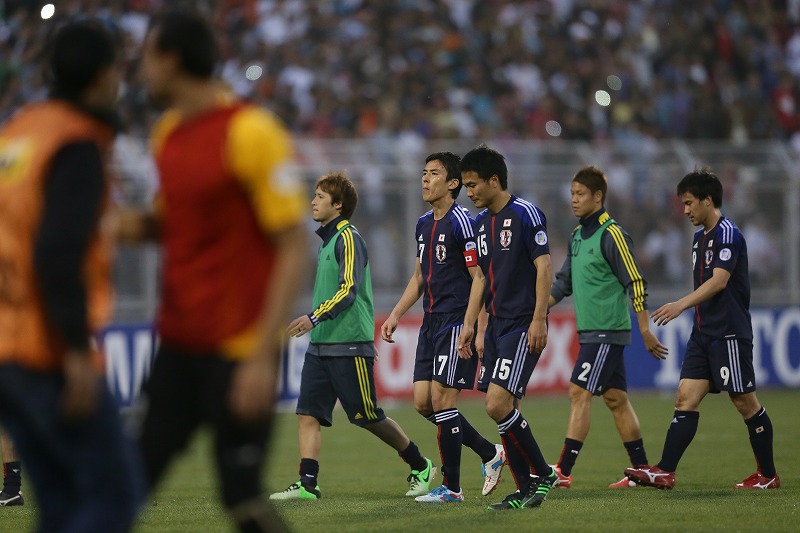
(483, 320)
(562, 286)
(259, 154)
(410, 296)
(617, 248)
(537, 333)
(135, 225)
(474, 307)
(72, 202)
(706, 291)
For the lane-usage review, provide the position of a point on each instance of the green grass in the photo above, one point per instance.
(363, 481)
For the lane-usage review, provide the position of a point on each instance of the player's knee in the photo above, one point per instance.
(747, 404)
(498, 410)
(423, 407)
(686, 402)
(615, 401)
(578, 395)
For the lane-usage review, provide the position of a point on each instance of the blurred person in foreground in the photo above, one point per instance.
(601, 273)
(719, 354)
(231, 222)
(55, 290)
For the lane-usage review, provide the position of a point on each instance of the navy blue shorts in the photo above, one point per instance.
(348, 379)
(507, 360)
(437, 358)
(726, 363)
(84, 473)
(186, 391)
(600, 367)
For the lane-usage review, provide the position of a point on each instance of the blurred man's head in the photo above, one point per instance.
(179, 45)
(82, 65)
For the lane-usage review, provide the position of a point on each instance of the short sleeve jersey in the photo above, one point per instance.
(446, 249)
(227, 187)
(727, 313)
(508, 244)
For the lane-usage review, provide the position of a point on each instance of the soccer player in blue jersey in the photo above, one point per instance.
(719, 354)
(446, 261)
(513, 281)
(601, 274)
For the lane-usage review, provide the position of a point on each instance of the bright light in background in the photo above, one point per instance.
(552, 128)
(48, 11)
(602, 98)
(253, 72)
(614, 83)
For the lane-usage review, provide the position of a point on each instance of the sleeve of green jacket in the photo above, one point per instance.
(617, 248)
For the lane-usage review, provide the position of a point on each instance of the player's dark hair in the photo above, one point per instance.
(486, 163)
(702, 183)
(341, 189)
(449, 161)
(77, 54)
(189, 35)
(593, 179)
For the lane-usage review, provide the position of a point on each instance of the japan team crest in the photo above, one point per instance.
(441, 252)
(709, 256)
(505, 238)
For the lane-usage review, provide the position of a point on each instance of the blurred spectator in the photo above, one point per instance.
(466, 68)
(763, 252)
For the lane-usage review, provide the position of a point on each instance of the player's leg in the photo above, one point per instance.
(354, 382)
(423, 369)
(512, 371)
(168, 400)
(314, 409)
(742, 391)
(12, 473)
(625, 419)
(451, 374)
(239, 452)
(580, 417)
(679, 435)
(627, 424)
(697, 379)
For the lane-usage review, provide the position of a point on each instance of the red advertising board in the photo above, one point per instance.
(395, 365)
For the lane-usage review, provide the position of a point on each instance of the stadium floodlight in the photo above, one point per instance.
(253, 72)
(602, 98)
(48, 10)
(614, 82)
(553, 128)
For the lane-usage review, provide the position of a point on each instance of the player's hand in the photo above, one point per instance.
(81, 386)
(654, 346)
(666, 313)
(464, 345)
(480, 344)
(537, 336)
(300, 326)
(388, 328)
(252, 394)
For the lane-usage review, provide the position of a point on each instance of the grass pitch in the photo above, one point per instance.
(363, 480)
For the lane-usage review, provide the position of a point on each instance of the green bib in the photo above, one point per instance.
(357, 322)
(600, 300)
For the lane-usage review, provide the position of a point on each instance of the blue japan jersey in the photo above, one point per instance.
(445, 249)
(508, 243)
(727, 313)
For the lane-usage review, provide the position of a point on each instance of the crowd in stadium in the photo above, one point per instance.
(463, 68)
